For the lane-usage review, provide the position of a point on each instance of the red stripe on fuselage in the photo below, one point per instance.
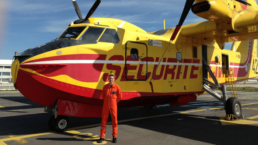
(80, 72)
(45, 91)
(73, 57)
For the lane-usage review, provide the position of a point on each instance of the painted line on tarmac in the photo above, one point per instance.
(71, 130)
(24, 136)
(1, 106)
(250, 104)
(253, 117)
(19, 140)
(2, 143)
(186, 112)
(251, 108)
(238, 122)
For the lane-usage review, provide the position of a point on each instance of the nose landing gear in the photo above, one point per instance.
(55, 122)
(58, 124)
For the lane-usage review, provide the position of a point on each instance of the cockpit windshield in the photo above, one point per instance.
(72, 32)
(92, 34)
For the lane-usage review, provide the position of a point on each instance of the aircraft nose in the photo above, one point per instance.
(14, 70)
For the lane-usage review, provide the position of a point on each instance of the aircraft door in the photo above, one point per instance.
(204, 56)
(136, 61)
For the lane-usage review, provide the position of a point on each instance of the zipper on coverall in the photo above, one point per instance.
(109, 102)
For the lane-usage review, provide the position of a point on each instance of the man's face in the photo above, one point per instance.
(111, 79)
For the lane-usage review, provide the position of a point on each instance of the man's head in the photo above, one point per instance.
(111, 78)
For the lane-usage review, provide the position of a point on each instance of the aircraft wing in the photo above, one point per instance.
(244, 26)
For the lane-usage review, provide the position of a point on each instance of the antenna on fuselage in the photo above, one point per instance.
(243, 2)
(78, 11)
(164, 21)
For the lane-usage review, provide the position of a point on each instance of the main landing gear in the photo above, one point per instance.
(55, 122)
(232, 105)
(233, 109)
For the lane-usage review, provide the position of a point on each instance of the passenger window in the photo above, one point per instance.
(216, 59)
(109, 35)
(92, 34)
(134, 53)
(178, 56)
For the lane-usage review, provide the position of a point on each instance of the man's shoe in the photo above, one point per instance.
(100, 140)
(114, 139)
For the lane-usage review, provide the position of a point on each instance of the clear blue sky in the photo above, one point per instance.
(30, 23)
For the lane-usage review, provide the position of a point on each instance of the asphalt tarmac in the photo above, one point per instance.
(199, 123)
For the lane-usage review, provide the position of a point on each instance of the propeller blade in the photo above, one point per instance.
(77, 9)
(188, 5)
(92, 10)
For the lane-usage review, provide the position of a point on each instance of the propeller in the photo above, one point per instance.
(92, 10)
(188, 5)
(77, 9)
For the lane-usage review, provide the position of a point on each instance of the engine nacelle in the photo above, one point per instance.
(212, 10)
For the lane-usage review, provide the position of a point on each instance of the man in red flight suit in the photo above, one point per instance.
(111, 94)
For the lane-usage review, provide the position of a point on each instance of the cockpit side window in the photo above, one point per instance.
(92, 34)
(72, 32)
(110, 35)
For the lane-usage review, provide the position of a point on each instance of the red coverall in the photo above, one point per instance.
(111, 97)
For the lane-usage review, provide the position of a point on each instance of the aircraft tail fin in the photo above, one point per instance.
(248, 58)
(244, 47)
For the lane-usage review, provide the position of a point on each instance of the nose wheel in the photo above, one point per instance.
(58, 124)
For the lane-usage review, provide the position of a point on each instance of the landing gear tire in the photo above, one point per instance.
(61, 123)
(233, 106)
(51, 123)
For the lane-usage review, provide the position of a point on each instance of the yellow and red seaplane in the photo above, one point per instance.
(166, 66)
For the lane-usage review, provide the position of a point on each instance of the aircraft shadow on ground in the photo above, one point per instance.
(198, 129)
(21, 99)
(23, 103)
